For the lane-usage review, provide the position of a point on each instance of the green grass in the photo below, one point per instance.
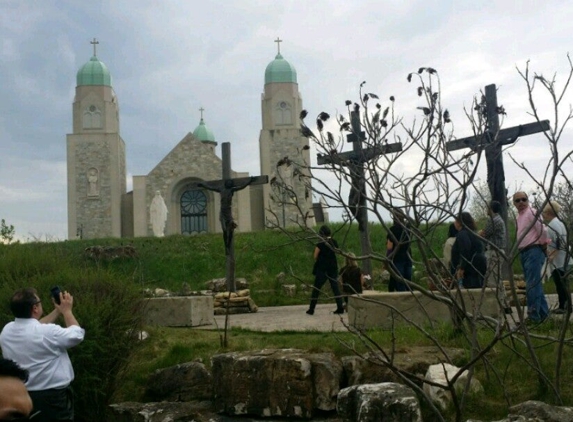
(260, 257)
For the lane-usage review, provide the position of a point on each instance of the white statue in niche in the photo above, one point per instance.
(92, 182)
(158, 214)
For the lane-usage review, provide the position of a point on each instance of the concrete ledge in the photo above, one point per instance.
(179, 311)
(373, 309)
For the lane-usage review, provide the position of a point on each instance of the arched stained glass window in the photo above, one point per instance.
(193, 212)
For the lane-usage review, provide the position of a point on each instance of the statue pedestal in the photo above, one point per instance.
(179, 311)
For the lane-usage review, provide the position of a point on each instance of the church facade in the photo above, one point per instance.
(99, 204)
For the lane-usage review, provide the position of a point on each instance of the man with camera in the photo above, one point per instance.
(40, 347)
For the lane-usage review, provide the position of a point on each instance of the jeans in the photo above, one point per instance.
(404, 268)
(532, 262)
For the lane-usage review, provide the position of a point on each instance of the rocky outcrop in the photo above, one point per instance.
(540, 411)
(160, 412)
(371, 368)
(186, 382)
(388, 402)
(286, 382)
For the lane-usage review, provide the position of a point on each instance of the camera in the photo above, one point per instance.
(55, 292)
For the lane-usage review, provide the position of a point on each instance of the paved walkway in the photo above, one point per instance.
(294, 318)
(285, 318)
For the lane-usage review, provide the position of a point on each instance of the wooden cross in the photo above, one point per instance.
(355, 161)
(279, 41)
(492, 140)
(94, 43)
(226, 188)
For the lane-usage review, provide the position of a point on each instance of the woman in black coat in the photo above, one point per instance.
(325, 269)
(468, 256)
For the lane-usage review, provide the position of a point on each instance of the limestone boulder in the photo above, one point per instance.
(186, 382)
(536, 410)
(275, 382)
(371, 369)
(160, 412)
(441, 373)
(388, 402)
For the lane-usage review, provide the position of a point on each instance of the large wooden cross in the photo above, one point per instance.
(226, 188)
(493, 139)
(355, 161)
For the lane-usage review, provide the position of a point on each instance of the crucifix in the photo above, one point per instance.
(226, 188)
(94, 43)
(201, 110)
(355, 161)
(493, 139)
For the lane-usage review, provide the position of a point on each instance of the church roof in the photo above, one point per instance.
(279, 70)
(203, 133)
(94, 72)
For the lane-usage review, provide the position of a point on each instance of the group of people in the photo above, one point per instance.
(35, 369)
(473, 258)
(350, 276)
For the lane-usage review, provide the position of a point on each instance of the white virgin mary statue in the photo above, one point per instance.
(158, 215)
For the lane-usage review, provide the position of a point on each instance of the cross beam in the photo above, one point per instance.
(362, 156)
(504, 136)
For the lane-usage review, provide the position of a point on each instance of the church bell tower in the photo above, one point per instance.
(280, 137)
(95, 156)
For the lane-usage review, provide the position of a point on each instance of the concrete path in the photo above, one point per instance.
(285, 318)
(294, 318)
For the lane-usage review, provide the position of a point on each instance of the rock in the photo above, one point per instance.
(441, 373)
(289, 290)
(281, 277)
(186, 382)
(271, 382)
(540, 411)
(388, 402)
(220, 284)
(160, 292)
(416, 360)
(160, 412)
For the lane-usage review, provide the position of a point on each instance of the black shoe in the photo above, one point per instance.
(558, 311)
(339, 311)
(310, 312)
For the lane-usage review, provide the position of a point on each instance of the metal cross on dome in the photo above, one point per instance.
(279, 41)
(94, 42)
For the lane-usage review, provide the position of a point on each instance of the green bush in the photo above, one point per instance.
(105, 305)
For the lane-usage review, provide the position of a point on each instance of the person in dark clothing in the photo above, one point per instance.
(468, 257)
(398, 251)
(351, 277)
(325, 269)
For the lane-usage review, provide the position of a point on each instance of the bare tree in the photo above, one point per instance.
(431, 185)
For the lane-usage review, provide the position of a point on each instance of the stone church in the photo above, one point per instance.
(99, 204)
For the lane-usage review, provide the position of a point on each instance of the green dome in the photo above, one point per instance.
(94, 72)
(279, 70)
(203, 133)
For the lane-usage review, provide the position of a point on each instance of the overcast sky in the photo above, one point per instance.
(169, 58)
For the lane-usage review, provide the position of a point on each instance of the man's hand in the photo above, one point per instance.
(65, 308)
(66, 302)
